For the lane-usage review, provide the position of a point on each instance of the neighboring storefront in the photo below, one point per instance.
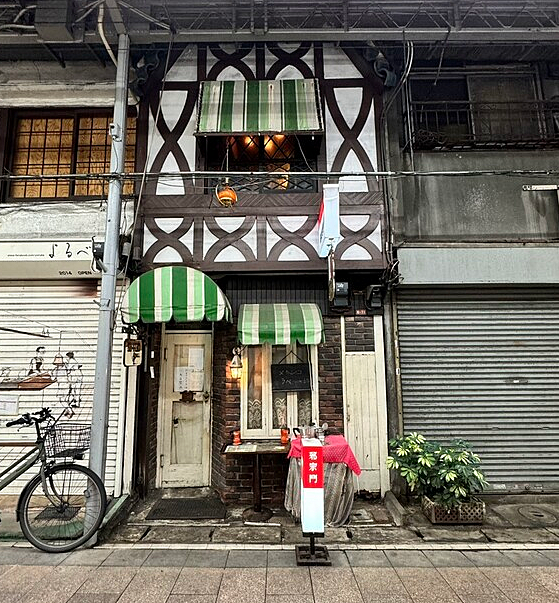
(48, 341)
(480, 363)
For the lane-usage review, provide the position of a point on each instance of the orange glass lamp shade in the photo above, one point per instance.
(225, 195)
(236, 364)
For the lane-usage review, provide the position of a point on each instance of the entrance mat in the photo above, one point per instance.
(187, 508)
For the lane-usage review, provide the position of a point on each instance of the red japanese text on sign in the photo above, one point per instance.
(313, 468)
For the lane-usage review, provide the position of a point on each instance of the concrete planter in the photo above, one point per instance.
(465, 513)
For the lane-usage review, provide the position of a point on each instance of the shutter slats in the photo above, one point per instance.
(483, 365)
(65, 308)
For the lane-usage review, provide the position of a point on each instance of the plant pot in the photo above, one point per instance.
(467, 512)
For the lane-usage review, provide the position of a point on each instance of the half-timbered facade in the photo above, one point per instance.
(274, 120)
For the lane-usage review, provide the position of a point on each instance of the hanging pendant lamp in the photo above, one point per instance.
(225, 194)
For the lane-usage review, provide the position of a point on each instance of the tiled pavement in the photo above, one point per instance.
(261, 575)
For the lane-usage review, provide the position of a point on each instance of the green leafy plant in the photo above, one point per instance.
(448, 475)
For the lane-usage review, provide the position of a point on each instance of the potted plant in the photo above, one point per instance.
(446, 477)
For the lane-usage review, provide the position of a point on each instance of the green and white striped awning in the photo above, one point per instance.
(280, 324)
(178, 292)
(259, 107)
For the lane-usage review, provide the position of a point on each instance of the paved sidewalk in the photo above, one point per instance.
(186, 575)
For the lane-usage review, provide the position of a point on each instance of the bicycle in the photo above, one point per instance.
(63, 506)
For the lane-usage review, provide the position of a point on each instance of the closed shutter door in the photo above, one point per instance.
(483, 365)
(62, 318)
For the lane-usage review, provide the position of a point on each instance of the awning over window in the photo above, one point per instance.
(280, 324)
(259, 107)
(178, 292)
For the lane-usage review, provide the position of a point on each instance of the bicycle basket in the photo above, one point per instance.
(67, 440)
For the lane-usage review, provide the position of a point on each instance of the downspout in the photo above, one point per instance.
(110, 264)
(393, 385)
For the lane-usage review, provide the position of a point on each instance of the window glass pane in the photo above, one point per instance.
(304, 398)
(42, 146)
(304, 408)
(279, 398)
(254, 399)
(279, 409)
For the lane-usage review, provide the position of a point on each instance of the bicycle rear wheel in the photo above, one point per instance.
(67, 513)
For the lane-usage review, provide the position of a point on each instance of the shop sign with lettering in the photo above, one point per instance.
(312, 487)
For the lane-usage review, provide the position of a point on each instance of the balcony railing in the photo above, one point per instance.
(463, 124)
(279, 182)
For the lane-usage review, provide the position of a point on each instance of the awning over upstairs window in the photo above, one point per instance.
(280, 324)
(178, 292)
(259, 107)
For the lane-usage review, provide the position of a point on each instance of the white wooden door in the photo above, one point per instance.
(365, 413)
(186, 416)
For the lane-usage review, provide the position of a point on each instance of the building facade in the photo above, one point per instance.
(475, 234)
(226, 110)
(426, 134)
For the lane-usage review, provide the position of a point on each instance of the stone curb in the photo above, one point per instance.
(460, 546)
(393, 506)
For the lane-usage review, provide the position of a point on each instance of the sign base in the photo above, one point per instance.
(312, 554)
(304, 555)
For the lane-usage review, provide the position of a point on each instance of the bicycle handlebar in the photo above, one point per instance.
(28, 419)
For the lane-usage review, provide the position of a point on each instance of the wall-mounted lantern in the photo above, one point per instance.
(236, 364)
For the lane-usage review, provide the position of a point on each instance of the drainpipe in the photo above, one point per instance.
(110, 264)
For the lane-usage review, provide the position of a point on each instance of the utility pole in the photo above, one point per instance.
(110, 265)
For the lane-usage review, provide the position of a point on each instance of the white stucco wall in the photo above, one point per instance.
(48, 84)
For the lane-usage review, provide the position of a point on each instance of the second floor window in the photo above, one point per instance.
(65, 143)
(279, 153)
(481, 111)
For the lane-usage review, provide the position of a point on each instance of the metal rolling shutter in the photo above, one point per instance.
(67, 313)
(483, 365)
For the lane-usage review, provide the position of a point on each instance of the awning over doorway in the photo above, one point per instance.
(259, 107)
(178, 292)
(280, 324)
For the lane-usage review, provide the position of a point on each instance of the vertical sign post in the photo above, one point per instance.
(312, 504)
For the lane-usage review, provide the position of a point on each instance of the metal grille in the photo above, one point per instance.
(483, 365)
(459, 124)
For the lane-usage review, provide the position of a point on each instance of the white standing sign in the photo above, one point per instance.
(312, 487)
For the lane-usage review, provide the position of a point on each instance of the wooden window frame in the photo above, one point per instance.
(267, 431)
(70, 113)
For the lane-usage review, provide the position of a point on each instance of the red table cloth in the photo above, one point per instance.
(335, 450)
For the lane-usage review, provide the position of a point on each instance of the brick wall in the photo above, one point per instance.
(330, 375)
(226, 408)
(359, 334)
(232, 476)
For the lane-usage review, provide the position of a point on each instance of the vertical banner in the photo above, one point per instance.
(329, 220)
(312, 487)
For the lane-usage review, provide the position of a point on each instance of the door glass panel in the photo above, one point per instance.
(254, 407)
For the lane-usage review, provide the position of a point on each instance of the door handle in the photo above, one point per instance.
(206, 396)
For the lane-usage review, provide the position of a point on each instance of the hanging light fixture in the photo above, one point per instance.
(225, 194)
(236, 364)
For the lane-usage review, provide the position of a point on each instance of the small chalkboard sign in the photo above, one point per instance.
(291, 377)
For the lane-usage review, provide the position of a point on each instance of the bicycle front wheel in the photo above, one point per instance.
(65, 510)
